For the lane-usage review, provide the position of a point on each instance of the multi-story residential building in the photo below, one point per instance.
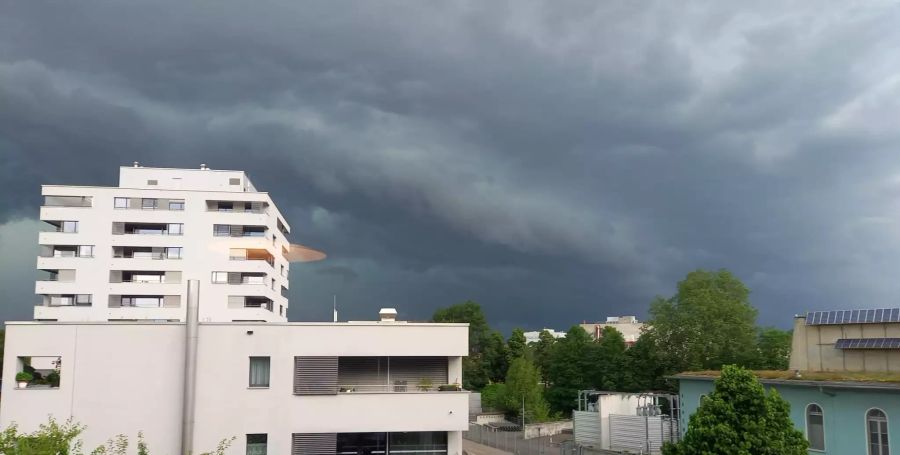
(163, 311)
(629, 326)
(124, 253)
(843, 384)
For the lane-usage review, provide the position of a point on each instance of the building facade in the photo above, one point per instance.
(278, 388)
(163, 310)
(843, 385)
(628, 326)
(124, 253)
(535, 335)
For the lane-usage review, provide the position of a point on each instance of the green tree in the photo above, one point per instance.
(542, 351)
(739, 418)
(773, 349)
(516, 345)
(569, 369)
(476, 369)
(645, 367)
(609, 360)
(523, 384)
(495, 357)
(708, 323)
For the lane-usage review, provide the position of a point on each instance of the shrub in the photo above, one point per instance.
(24, 376)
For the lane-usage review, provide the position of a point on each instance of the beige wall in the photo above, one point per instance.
(812, 348)
(127, 377)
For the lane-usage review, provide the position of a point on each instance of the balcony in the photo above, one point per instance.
(120, 228)
(365, 412)
(144, 301)
(237, 230)
(151, 253)
(136, 203)
(251, 254)
(138, 314)
(392, 374)
(242, 301)
(66, 251)
(255, 207)
(65, 300)
(68, 201)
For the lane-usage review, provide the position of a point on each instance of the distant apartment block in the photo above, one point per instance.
(535, 336)
(124, 253)
(629, 326)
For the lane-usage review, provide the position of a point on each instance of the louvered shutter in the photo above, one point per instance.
(237, 230)
(414, 369)
(314, 444)
(315, 375)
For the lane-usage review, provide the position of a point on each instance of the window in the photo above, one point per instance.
(83, 300)
(152, 182)
(273, 284)
(148, 204)
(86, 251)
(173, 252)
(221, 230)
(220, 277)
(62, 300)
(281, 310)
(176, 204)
(225, 206)
(176, 229)
(815, 427)
(121, 203)
(68, 226)
(877, 428)
(256, 444)
(45, 371)
(234, 181)
(259, 372)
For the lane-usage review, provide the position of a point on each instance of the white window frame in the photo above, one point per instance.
(170, 248)
(866, 425)
(178, 203)
(79, 254)
(216, 275)
(153, 203)
(175, 229)
(806, 426)
(221, 230)
(125, 202)
(62, 227)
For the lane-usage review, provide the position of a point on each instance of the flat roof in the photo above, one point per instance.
(829, 379)
(249, 323)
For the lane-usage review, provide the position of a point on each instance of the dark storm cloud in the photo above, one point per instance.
(555, 161)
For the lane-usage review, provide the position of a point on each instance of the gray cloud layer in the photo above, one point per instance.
(555, 161)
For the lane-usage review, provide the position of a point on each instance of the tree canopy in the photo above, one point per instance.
(523, 385)
(740, 418)
(708, 323)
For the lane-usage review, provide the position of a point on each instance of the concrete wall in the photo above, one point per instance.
(127, 377)
(812, 348)
(844, 412)
(537, 430)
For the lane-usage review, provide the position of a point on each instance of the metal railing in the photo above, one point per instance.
(154, 256)
(401, 387)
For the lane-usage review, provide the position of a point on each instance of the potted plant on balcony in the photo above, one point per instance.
(53, 378)
(23, 378)
(449, 388)
(425, 384)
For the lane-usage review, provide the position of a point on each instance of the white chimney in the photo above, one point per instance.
(136, 164)
(203, 167)
(388, 315)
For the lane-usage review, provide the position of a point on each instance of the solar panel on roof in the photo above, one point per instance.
(870, 316)
(867, 343)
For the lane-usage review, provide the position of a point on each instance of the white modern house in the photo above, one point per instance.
(125, 252)
(160, 347)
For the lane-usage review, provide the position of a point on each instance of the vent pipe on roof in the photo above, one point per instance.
(203, 167)
(136, 164)
(387, 315)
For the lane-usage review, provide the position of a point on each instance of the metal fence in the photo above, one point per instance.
(514, 441)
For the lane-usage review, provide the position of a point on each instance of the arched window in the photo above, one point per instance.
(815, 427)
(877, 429)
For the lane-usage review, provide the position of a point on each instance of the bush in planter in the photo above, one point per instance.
(24, 376)
(425, 384)
(449, 388)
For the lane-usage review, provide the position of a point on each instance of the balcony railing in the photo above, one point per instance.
(398, 387)
(143, 256)
(68, 201)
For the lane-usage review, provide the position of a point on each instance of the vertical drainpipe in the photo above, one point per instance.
(191, 326)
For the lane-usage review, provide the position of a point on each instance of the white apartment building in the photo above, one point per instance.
(163, 311)
(124, 253)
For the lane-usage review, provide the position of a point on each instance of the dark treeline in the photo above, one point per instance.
(708, 323)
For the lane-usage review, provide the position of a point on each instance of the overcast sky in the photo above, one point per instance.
(554, 161)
